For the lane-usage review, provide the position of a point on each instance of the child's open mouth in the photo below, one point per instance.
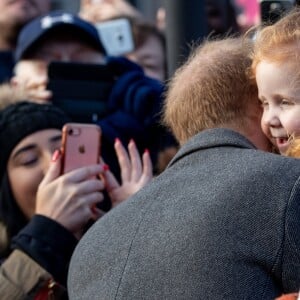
(282, 140)
(282, 143)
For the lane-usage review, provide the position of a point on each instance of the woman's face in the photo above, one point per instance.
(28, 164)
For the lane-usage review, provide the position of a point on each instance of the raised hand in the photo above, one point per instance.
(70, 199)
(100, 10)
(135, 173)
(33, 88)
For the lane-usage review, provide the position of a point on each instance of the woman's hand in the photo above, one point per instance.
(134, 173)
(70, 199)
(37, 92)
(100, 10)
(33, 88)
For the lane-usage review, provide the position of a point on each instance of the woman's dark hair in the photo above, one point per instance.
(17, 121)
(10, 214)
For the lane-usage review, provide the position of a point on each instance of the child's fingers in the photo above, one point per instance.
(110, 180)
(136, 164)
(123, 159)
(147, 165)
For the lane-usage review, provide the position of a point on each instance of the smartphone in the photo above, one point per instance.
(80, 145)
(271, 11)
(81, 90)
(116, 36)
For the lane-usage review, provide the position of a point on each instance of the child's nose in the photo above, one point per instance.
(271, 118)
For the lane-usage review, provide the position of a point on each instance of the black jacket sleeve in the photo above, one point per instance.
(49, 244)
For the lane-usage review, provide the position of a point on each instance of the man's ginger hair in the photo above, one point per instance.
(212, 89)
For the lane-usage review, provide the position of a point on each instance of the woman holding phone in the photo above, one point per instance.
(43, 213)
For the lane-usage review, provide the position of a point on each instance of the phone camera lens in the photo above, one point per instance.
(70, 132)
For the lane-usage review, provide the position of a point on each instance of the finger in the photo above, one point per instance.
(44, 95)
(84, 173)
(97, 213)
(123, 159)
(37, 82)
(147, 167)
(54, 169)
(110, 180)
(86, 205)
(91, 200)
(136, 164)
(88, 186)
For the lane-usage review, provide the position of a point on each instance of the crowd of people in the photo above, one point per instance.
(196, 192)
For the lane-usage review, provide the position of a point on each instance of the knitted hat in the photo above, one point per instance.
(19, 120)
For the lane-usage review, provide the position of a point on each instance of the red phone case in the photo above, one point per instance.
(80, 145)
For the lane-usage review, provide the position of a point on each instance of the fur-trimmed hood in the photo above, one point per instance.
(10, 95)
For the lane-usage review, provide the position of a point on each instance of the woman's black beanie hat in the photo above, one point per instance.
(22, 119)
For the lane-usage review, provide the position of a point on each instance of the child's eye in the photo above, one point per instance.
(264, 103)
(285, 102)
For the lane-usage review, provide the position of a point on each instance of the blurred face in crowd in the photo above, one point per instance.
(150, 56)
(21, 11)
(216, 16)
(220, 16)
(99, 10)
(65, 48)
(31, 73)
(28, 164)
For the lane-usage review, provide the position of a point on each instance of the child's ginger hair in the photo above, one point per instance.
(279, 43)
(294, 148)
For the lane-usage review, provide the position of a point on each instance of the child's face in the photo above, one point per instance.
(280, 96)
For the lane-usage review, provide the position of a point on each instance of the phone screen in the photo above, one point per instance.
(81, 90)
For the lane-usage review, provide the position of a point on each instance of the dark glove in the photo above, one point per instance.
(135, 101)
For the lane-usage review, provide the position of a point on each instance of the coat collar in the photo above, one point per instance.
(210, 138)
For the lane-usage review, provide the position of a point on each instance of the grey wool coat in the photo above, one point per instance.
(221, 222)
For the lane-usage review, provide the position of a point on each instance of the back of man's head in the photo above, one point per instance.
(211, 89)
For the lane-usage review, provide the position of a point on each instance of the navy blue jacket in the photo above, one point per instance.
(6, 66)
